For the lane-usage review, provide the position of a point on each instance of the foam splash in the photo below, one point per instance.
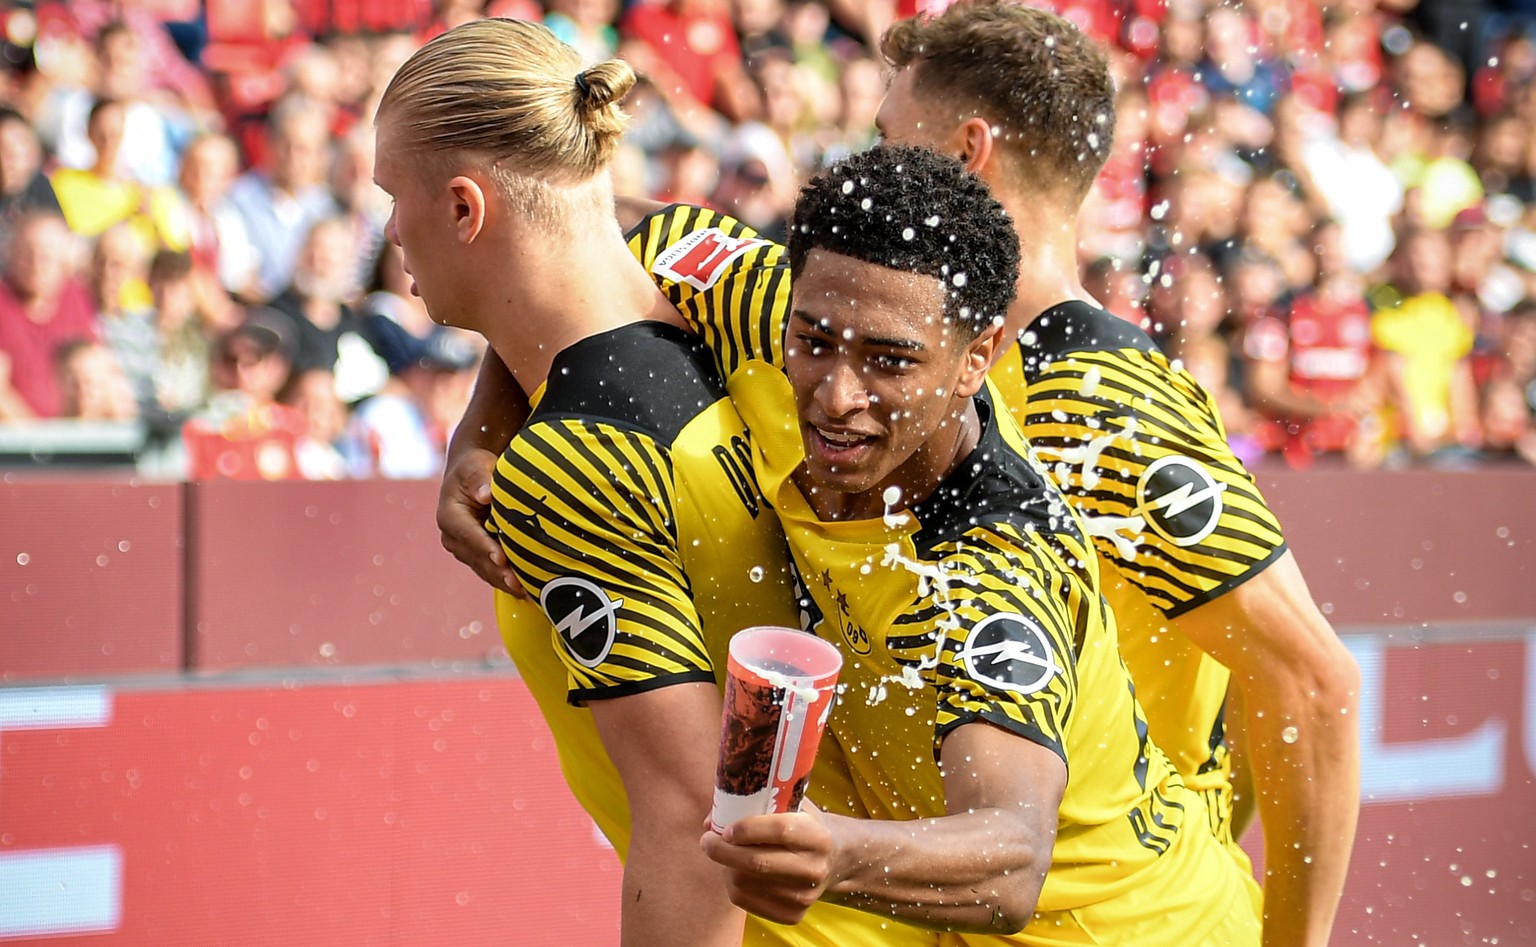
(1113, 529)
(1087, 456)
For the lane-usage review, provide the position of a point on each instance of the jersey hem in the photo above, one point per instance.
(1229, 585)
(580, 697)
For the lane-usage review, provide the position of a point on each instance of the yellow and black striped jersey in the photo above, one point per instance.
(1139, 450)
(730, 284)
(982, 603)
(627, 507)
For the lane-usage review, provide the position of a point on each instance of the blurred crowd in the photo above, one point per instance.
(1325, 211)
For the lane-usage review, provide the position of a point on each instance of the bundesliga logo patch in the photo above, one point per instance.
(700, 258)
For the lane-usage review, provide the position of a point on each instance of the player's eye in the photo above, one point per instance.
(893, 363)
(812, 345)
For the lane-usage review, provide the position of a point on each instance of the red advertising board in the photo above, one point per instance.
(1443, 853)
(383, 813)
(90, 577)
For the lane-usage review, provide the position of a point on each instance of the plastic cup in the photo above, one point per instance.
(779, 691)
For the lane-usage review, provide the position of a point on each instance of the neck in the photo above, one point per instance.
(1048, 273)
(560, 292)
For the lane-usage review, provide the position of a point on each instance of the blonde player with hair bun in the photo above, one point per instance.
(623, 502)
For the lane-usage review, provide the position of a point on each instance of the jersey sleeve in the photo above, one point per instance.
(729, 283)
(585, 512)
(1139, 449)
(1006, 626)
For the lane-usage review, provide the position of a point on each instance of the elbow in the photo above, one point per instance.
(1336, 681)
(1016, 889)
(1011, 915)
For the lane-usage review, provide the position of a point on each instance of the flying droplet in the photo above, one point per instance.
(755, 573)
(908, 233)
(1290, 735)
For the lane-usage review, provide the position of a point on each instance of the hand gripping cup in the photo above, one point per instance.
(778, 694)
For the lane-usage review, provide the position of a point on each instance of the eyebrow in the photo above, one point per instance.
(907, 345)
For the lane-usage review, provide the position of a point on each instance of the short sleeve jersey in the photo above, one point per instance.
(1139, 450)
(982, 604)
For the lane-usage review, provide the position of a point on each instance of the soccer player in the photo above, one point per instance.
(988, 725)
(623, 500)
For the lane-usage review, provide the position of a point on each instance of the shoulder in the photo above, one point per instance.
(995, 486)
(1074, 327)
(647, 376)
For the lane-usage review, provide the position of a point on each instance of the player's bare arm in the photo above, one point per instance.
(497, 408)
(663, 744)
(1300, 740)
(979, 868)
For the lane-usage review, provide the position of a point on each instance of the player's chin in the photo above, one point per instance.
(847, 476)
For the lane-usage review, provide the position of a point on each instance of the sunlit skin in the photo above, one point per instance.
(882, 386)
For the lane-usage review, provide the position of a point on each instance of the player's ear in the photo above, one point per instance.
(977, 358)
(975, 142)
(467, 199)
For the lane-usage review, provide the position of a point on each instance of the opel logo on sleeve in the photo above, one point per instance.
(585, 618)
(1180, 500)
(1008, 651)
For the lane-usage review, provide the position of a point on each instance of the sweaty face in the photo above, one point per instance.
(880, 382)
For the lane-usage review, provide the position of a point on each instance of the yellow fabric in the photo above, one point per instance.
(672, 529)
(93, 205)
(1165, 422)
(1428, 332)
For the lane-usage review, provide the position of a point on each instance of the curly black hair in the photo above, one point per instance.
(914, 210)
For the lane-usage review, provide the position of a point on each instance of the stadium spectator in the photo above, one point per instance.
(100, 196)
(1309, 366)
(149, 130)
(23, 185)
(42, 306)
(178, 379)
(225, 259)
(243, 433)
(406, 426)
(327, 332)
(279, 206)
(689, 49)
(322, 417)
(92, 385)
(1427, 341)
(586, 26)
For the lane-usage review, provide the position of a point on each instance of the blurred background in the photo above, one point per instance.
(240, 705)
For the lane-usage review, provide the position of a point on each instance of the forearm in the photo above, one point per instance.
(1303, 747)
(1299, 740)
(663, 744)
(673, 894)
(959, 872)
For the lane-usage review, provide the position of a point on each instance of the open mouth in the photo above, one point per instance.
(839, 447)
